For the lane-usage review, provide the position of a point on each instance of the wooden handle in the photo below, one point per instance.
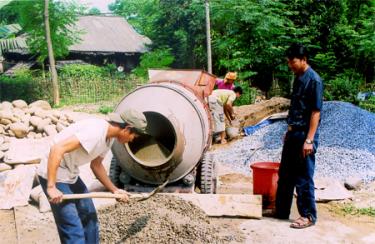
(98, 195)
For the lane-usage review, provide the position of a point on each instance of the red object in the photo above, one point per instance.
(265, 177)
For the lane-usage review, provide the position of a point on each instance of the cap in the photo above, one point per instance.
(132, 117)
(231, 75)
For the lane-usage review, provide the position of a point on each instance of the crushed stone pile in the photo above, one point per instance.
(346, 144)
(161, 219)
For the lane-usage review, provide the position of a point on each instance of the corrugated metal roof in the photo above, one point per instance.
(108, 34)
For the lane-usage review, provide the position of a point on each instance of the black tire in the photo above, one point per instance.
(207, 175)
(114, 172)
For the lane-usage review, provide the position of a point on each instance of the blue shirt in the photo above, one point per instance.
(307, 96)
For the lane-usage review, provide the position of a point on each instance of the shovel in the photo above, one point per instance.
(139, 197)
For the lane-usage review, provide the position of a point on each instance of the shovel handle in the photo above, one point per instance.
(98, 195)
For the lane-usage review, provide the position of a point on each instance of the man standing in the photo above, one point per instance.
(221, 103)
(301, 141)
(86, 141)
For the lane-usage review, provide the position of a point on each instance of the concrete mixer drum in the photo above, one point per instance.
(179, 132)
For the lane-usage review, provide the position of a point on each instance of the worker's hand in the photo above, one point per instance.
(125, 194)
(307, 149)
(55, 195)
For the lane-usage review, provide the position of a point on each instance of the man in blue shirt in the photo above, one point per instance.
(301, 141)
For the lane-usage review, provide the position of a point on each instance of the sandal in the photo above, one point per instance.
(301, 223)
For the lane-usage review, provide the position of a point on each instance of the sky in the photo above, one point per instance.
(102, 5)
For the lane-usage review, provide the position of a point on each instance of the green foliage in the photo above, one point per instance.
(104, 109)
(369, 104)
(94, 11)
(78, 84)
(343, 87)
(62, 16)
(352, 210)
(23, 85)
(248, 95)
(250, 36)
(161, 58)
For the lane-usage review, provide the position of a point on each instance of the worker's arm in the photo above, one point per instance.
(101, 174)
(314, 122)
(228, 111)
(56, 154)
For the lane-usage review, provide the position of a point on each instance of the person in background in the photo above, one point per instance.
(228, 81)
(221, 103)
(86, 141)
(301, 141)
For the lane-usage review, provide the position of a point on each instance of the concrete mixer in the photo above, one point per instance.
(179, 132)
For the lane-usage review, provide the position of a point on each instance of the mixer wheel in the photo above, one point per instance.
(114, 172)
(208, 175)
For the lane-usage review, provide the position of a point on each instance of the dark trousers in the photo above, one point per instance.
(76, 220)
(296, 171)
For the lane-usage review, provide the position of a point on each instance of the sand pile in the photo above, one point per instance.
(161, 219)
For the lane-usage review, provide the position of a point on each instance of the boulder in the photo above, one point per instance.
(353, 183)
(50, 130)
(19, 113)
(41, 104)
(6, 114)
(5, 146)
(20, 130)
(6, 105)
(41, 113)
(35, 120)
(2, 130)
(42, 124)
(59, 127)
(5, 121)
(19, 104)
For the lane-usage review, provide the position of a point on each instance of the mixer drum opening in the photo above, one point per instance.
(157, 147)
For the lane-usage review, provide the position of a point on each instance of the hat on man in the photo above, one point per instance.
(231, 76)
(132, 117)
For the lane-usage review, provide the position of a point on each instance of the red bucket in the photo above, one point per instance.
(265, 177)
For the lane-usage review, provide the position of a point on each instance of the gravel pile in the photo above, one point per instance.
(346, 149)
(161, 219)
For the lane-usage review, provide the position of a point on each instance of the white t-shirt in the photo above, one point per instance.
(91, 134)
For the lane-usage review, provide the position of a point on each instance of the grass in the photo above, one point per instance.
(352, 210)
(349, 209)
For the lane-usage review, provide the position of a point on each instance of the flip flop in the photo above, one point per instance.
(301, 223)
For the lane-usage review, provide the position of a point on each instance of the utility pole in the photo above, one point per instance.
(208, 37)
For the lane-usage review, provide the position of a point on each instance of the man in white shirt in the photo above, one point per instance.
(86, 141)
(221, 104)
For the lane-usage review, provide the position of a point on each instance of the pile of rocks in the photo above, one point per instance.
(35, 120)
(346, 144)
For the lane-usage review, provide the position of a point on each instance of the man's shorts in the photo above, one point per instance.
(217, 112)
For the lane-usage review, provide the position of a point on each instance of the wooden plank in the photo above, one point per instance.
(8, 233)
(35, 227)
(233, 205)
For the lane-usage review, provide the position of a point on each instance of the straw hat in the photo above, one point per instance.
(231, 76)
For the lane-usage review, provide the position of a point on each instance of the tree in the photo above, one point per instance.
(62, 18)
(94, 11)
(55, 85)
